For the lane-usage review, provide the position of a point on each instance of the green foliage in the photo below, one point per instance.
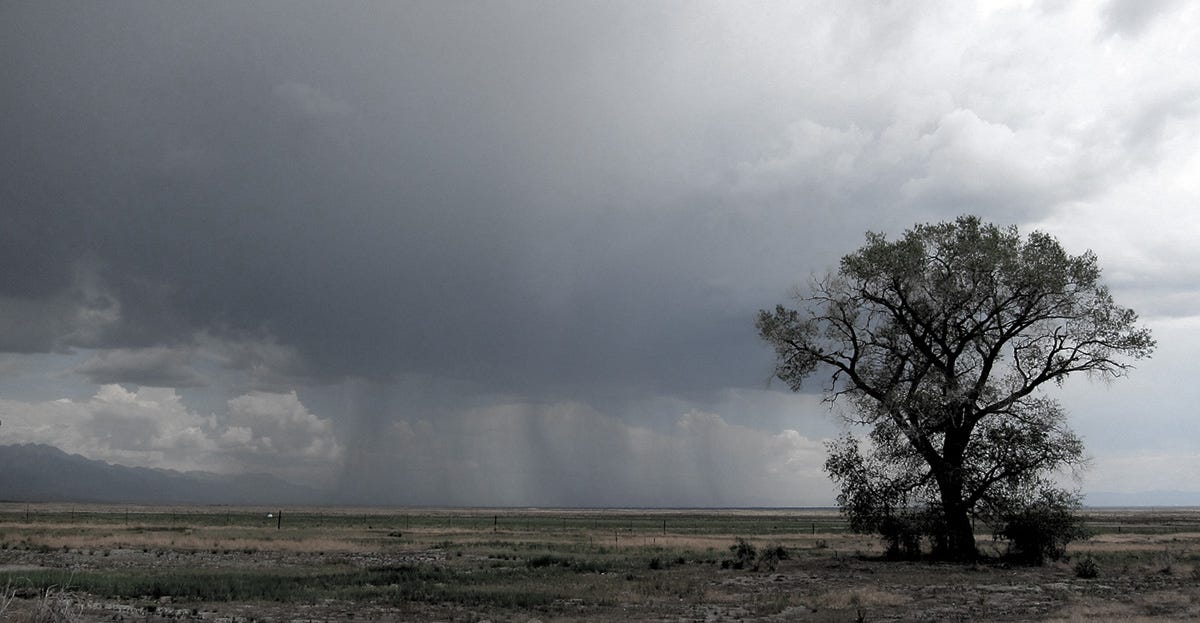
(547, 560)
(942, 341)
(771, 556)
(744, 553)
(884, 494)
(578, 565)
(747, 556)
(1087, 569)
(1041, 530)
(406, 582)
(903, 532)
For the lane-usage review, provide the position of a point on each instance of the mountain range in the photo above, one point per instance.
(41, 473)
(1160, 497)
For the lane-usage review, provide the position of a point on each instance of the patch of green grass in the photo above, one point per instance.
(578, 565)
(530, 587)
(199, 585)
(225, 584)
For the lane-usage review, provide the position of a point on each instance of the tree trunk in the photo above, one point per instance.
(960, 535)
(957, 540)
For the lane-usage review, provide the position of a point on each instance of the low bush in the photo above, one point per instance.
(744, 553)
(1041, 531)
(770, 557)
(1087, 569)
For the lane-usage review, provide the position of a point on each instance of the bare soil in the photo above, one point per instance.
(829, 577)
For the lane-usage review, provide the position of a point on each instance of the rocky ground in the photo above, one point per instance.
(819, 586)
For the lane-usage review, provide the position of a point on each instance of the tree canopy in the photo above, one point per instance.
(942, 340)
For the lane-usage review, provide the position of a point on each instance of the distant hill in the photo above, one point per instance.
(1143, 498)
(41, 473)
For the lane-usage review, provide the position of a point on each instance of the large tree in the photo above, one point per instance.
(942, 341)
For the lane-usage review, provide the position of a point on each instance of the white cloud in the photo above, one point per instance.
(152, 427)
(1143, 229)
(147, 427)
(281, 428)
(977, 162)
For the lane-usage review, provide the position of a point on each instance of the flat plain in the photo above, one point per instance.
(61, 562)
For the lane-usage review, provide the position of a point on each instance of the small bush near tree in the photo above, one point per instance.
(1040, 531)
(1087, 569)
(744, 553)
(747, 556)
(769, 558)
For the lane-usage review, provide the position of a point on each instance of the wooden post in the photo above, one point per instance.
(279, 520)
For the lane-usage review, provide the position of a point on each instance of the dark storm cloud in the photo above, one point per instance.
(572, 198)
(150, 367)
(385, 189)
(511, 252)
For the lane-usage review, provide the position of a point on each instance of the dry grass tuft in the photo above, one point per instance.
(54, 605)
(199, 541)
(858, 598)
(1090, 613)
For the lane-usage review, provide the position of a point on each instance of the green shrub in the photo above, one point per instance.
(1041, 531)
(744, 553)
(770, 557)
(547, 560)
(1087, 569)
(902, 534)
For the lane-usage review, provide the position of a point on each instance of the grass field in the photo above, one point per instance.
(118, 563)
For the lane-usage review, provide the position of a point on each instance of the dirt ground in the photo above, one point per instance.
(828, 577)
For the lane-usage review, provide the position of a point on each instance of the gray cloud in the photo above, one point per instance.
(243, 175)
(1130, 17)
(408, 211)
(568, 454)
(150, 367)
(561, 198)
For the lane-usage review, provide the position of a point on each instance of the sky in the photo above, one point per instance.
(511, 253)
